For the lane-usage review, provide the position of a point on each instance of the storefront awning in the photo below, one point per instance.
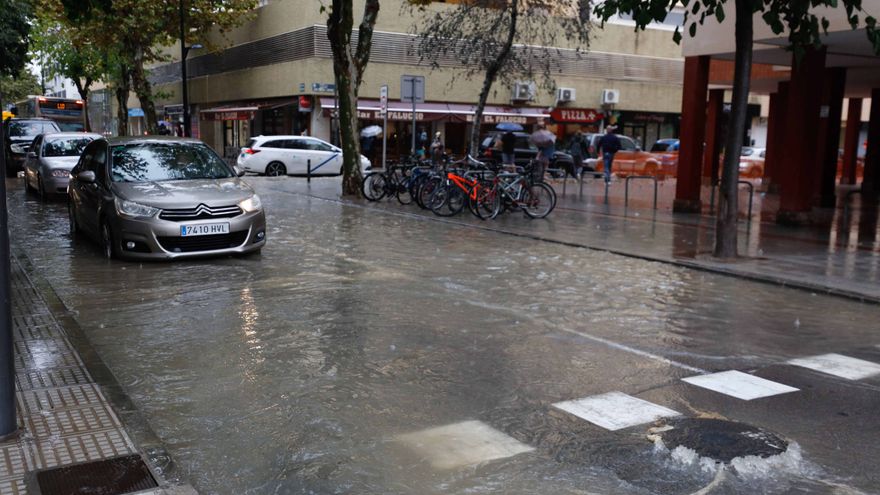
(456, 112)
(228, 113)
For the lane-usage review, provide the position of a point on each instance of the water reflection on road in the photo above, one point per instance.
(293, 371)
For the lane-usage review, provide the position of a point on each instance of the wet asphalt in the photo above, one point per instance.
(298, 370)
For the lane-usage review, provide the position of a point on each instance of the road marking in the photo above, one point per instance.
(740, 385)
(462, 444)
(615, 410)
(839, 365)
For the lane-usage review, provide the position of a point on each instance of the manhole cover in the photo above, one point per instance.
(113, 476)
(719, 439)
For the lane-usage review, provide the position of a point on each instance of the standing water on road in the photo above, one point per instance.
(334, 361)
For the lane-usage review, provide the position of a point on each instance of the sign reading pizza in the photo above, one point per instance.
(576, 115)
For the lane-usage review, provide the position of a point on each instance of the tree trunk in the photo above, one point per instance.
(84, 90)
(491, 74)
(348, 70)
(728, 209)
(122, 90)
(144, 91)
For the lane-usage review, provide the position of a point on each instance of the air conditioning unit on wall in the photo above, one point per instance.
(523, 91)
(610, 96)
(565, 94)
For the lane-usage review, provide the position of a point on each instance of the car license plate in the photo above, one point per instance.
(204, 229)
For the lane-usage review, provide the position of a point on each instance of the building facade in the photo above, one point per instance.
(274, 75)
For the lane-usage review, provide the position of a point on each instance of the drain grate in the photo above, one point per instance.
(113, 476)
(720, 440)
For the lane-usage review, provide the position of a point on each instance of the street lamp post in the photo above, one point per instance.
(184, 51)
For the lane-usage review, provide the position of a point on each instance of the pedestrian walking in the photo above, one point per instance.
(508, 145)
(576, 150)
(367, 146)
(436, 149)
(608, 146)
(545, 141)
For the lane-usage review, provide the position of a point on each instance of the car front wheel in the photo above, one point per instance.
(107, 248)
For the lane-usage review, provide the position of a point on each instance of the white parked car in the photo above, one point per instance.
(291, 155)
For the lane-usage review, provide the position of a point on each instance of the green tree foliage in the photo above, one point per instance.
(18, 87)
(349, 63)
(14, 31)
(804, 24)
(135, 31)
(504, 40)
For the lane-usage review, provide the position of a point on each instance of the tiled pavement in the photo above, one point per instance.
(63, 416)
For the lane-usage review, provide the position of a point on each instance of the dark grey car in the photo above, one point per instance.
(163, 198)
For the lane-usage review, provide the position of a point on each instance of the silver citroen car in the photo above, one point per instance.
(157, 197)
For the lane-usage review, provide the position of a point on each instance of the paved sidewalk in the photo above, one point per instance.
(64, 416)
(843, 259)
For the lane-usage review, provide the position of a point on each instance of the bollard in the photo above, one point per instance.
(626, 188)
(309, 171)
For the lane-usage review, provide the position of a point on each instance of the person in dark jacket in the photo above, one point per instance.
(576, 150)
(608, 146)
(508, 145)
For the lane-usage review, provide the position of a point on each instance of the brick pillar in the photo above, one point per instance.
(775, 135)
(828, 144)
(871, 179)
(851, 141)
(797, 172)
(713, 136)
(693, 131)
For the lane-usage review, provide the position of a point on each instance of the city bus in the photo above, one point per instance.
(69, 114)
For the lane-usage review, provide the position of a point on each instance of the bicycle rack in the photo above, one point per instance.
(846, 199)
(739, 182)
(626, 188)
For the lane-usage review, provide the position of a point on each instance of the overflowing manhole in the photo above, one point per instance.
(719, 440)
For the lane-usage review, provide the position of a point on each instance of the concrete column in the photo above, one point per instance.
(693, 132)
(713, 136)
(871, 179)
(851, 140)
(775, 135)
(797, 172)
(833, 86)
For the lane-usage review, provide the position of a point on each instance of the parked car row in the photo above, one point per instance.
(151, 197)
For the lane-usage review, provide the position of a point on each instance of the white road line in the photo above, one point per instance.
(839, 365)
(615, 410)
(740, 385)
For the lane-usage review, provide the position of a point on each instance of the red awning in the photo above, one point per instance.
(426, 112)
(228, 113)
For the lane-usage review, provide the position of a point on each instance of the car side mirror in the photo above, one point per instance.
(87, 176)
(238, 171)
(31, 154)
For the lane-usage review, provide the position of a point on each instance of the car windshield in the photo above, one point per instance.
(72, 146)
(72, 126)
(746, 151)
(142, 162)
(30, 129)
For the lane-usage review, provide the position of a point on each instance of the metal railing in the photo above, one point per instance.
(846, 199)
(626, 188)
(739, 183)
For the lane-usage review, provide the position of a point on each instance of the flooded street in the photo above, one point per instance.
(328, 363)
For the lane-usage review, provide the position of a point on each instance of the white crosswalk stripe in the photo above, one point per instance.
(740, 385)
(839, 365)
(462, 444)
(615, 410)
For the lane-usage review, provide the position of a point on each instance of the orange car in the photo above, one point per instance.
(860, 166)
(751, 162)
(632, 160)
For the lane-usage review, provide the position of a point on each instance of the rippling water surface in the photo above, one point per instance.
(293, 371)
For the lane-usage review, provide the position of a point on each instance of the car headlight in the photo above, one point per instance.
(18, 148)
(133, 209)
(60, 172)
(251, 204)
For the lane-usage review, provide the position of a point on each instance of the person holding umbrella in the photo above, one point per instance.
(545, 141)
(436, 149)
(368, 139)
(608, 146)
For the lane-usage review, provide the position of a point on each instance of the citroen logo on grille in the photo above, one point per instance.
(203, 209)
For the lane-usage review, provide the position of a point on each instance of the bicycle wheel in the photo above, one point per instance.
(537, 200)
(373, 187)
(447, 200)
(404, 191)
(488, 202)
(426, 191)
